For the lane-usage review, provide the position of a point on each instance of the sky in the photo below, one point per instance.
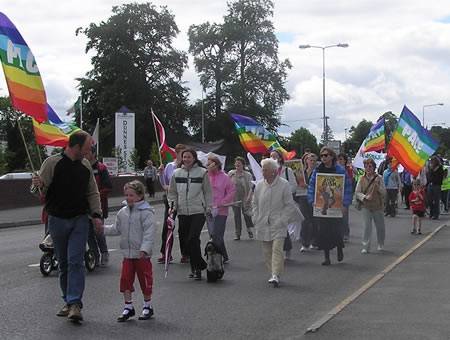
(398, 54)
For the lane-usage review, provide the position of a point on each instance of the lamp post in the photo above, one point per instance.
(325, 124)
(423, 111)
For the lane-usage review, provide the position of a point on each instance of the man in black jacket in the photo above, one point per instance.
(71, 193)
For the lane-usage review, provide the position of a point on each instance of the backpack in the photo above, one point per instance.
(214, 261)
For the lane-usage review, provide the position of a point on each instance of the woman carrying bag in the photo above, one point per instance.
(370, 192)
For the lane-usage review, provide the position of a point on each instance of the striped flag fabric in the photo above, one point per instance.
(24, 81)
(255, 138)
(167, 153)
(411, 144)
(375, 140)
(53, 132)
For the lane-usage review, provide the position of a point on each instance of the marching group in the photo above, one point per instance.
(195, 194)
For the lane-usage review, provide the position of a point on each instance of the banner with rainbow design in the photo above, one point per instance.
(53, 132)
(25, 86)
(375, 140)
(411, 144)
(255, 138)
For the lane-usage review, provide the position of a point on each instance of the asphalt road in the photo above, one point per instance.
(243, 305)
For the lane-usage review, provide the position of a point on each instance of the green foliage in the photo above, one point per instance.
(134, 160)
(442, 135)
(134, 65)
(154, 155)
(15, 156)
(356, 136)
(302, 139)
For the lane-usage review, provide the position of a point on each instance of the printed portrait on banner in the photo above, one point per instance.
(329, 193)
(297, 167)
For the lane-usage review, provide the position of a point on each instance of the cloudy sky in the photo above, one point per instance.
(398, 54)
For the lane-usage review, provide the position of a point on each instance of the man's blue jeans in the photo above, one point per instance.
(69, 237)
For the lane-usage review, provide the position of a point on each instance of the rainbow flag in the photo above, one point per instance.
(411, 144)
(375, 140)
(54, 132)
(25, 86)
(255, 138)
(167, 153)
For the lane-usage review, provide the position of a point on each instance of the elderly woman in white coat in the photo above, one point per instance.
(273, 209)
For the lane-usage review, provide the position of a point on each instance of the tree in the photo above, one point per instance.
(210, 44)
(134, 65)
(327, 135)
(257, 85)
(356, 136)
(15, 156)
(302, 139)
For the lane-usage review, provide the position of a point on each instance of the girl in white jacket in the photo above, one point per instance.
(135, 224)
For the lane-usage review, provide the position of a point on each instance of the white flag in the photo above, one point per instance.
(95, 134)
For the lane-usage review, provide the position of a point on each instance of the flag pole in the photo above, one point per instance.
(81, 111)
(25, 145)
(157, 137)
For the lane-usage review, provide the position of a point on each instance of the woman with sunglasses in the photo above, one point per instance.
(330, 235)
(370, 191)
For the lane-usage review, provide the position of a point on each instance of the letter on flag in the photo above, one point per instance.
(25, 86)
(411, 144)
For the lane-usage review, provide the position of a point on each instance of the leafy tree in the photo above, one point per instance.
(136, 65)
(327, 135)
(390, 124)
(356, 136)
(302, 139)
(257, 85)
(210, 44)
(15, 155)
(442, 135)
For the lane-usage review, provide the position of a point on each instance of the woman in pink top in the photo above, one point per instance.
(223, 191)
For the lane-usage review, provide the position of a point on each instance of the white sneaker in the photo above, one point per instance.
(364, 251)
(380, 248)
(303, 249)
(275, 280)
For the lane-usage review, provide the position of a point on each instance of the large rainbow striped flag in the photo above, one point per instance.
(255, 138)
(168, 154)
(411, 144)
(375, 140)
(54, 132)
(25, 86)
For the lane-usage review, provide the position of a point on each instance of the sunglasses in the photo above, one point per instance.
(324, 155)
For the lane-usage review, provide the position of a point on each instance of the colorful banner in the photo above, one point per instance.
(375, 140)
(411, 144)
(25, 86)
(54, 132)
(167, 153)
(255, 138)
(297, 167)
(329, 195)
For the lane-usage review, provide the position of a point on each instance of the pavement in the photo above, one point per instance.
(401, 293)
(11, 218)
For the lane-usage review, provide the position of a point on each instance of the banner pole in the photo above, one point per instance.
(157, 136)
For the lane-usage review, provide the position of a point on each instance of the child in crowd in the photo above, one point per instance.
(135, 224)
(417, 204)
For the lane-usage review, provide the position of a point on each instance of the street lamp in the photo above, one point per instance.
(325, 124)
(423, 111)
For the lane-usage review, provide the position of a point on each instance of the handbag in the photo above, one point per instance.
(359, 203)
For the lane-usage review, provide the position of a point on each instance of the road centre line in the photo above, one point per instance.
(344, 303)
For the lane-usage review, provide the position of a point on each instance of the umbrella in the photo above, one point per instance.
(169, 240)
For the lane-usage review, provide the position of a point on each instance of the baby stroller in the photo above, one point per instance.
(48, 261)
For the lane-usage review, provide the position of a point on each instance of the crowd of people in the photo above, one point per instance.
(284, 201)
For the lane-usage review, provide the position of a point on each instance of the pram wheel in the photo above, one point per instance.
(89, 260)
(46, 264)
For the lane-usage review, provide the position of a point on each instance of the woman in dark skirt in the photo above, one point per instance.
(329, 233)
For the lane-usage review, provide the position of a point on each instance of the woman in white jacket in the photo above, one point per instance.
(273, 209)
(190, 195)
